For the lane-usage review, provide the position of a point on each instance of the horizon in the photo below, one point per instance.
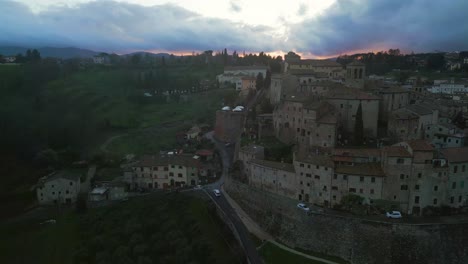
(313, 30)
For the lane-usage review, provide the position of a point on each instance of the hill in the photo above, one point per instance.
(150, 54)
(63, 53)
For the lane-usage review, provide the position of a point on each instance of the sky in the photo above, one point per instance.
(313, 28)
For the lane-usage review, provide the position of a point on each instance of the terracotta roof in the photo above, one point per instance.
(456, 154)
(350, 94)
(357, 152)
(420, 145)
(69, 175)
(364, 169)
(152, 161)
(204, 152)
(322, 160)
(249, 78)
(403, 113)
(397, 151)
(275, 165)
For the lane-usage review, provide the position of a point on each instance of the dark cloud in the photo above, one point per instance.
(411, 25)
(116, 26)
(235, 7)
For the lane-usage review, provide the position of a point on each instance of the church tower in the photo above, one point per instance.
(355, 74)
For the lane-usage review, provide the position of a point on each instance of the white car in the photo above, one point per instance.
(303, 207)
(394, 214)
(197, 187)
(216, 192)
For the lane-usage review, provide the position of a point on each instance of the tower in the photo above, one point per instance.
(355, 74)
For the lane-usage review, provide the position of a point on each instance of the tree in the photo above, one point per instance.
(81, 205)
(359, 127)
(259, 83)
(266, 107)
(35, 55)
(436, 61)
(267, 81)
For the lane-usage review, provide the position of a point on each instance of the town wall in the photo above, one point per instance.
(356, 240)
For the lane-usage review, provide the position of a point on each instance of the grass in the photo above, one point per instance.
(31, 242)
(273, 254)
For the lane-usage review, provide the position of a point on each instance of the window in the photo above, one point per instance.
(371, 191)
(402, 176)
(361, 190)
(462, 184)
(335, 176)
(67, 192)
(334, 197)
(452, 199)
(308, 175)
(454, 185)
(416, 199)
(301, 182)
(404, 187)
(394, 197)
(436, 188)
(463, 168)
(372, 179)
(345, 177)
(171, 174)
(180, 167)
(301, 165)
(459, 199)
(52, 186)
(352, 190)
(455, 169)
(400, 161)
(419, 175)
(308, 166)
(335, 188)
(71, 183)
(308, 184)
(53, 193)
(317, 167)
(317, 177)
(416, 187)
(172, 166)
(361, 179)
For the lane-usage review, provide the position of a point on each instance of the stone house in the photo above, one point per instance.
(229, 125)
(392, 98)
(457, 162)
(60, 187)
(108, 191)
(162, 172)
(331, 68)
(410, 122)
(445, 135)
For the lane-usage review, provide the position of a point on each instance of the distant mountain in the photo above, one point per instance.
(64, 53)
(145, 53)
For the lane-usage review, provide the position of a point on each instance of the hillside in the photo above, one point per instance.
(63, 53)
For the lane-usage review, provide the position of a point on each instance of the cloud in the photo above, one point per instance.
(302, 10)
(116, 26)
(411, 25)
(235, 7)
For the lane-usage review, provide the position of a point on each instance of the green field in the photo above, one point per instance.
(158, 228)
(273, 254)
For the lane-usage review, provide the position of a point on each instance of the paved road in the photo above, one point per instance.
(244, 235)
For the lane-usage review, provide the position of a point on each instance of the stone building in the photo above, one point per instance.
(392, 98)
(445, 135)
(410, 122)
(356, 74)
(229, 125)
(60, 187)
(457, 163)
(248, 153)
(331, 68)
(275, 177)
(346, 102)
(162, 172)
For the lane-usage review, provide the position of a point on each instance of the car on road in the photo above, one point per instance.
(303, 207)
(198, 187)
(216, 192)
(394, 214)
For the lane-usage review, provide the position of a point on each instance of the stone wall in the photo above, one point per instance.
(357, 240)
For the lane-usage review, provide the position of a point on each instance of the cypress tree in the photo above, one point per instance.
(359, 127)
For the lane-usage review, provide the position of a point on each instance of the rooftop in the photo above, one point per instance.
(241, 68)
(397, 151)
(420, 145)
(275, 165)
(153, 161)
(69, 175)
(350, 94)
(364, 169)
(456, 154)
(312, 158)
(357, 152)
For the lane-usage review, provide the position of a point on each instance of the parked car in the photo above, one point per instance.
(394, 214)
(303, 207)
(216, 192)
(197, 187)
